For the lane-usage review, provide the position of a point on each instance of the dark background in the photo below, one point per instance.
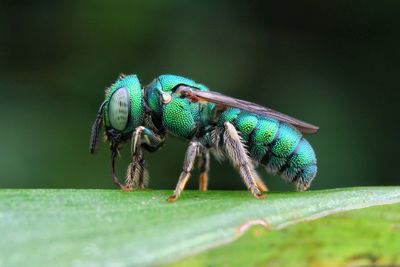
(332, 63)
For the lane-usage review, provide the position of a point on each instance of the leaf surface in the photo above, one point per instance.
(113, 228)
(365, 237)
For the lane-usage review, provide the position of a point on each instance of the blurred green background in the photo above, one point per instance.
(334, 64)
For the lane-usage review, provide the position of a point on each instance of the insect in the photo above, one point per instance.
(245, 133)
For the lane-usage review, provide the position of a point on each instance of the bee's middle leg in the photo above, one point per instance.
(188, 163)
(204, 166)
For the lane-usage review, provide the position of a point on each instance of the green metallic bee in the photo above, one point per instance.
(246, 133)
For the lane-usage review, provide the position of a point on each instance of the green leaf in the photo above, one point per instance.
(110, 227)
(366, 237)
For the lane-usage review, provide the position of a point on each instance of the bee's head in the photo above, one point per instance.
(121, 112)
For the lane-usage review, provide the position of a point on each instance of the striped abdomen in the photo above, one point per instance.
(277, 145)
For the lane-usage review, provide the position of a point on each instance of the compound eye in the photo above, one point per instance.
(118, 109)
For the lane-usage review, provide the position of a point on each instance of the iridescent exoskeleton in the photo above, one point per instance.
(245, 133)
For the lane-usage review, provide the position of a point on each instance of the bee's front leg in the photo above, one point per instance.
(136, 173)
(190, 157)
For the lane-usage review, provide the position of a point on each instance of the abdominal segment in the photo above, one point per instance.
(277, 145)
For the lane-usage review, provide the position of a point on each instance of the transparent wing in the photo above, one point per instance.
(226, 101)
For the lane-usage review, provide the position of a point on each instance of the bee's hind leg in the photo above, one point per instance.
(260, 184)
(191, 153)
(204, 166)
(236, 152)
